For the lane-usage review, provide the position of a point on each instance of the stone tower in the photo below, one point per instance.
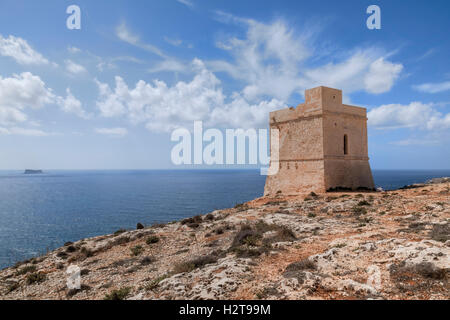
(323, 146)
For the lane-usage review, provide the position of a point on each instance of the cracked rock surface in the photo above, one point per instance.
(378, 245)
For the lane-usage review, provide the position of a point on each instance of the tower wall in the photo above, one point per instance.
(313, 155)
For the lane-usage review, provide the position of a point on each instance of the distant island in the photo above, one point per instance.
(29, 171)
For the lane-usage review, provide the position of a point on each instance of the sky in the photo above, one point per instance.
(109, 95)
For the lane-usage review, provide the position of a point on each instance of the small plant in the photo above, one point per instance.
(197, 219)
(26, 270)
(71, 249)
(86, 252)
(136, 250)
(311, 215)
(147, 260)
(120, 231)
(12, 287)
(35, 278)
(440, 232)
(139, 226)
(62, 255)
(155, 282)
(152, 239)
(119, 294)
(241, 206)
(363, 203)
(340, 245)
(183, 267)
(357, 210)
(267, 292)
(195, 263)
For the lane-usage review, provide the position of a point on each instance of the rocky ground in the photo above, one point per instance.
(379, 245)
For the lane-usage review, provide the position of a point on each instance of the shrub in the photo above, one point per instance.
(139, 226)
(357, 210)
(71, 249)
(440, 232)
(147, 260)
(74, 291)
(62, 255)
(120, 231)
(158, 225)
(84, 272)
(363, 203)
(267, 292)
(241, 206)
(119, 294)
(301, 265)
(401, 272)
(195, 263)
(249, 241)
(35, 278)
(209, 216)
(197, 219)
(152, 240)
(155, 282)
(25, 270)
(86, 252)
(297, 269)
(136, 250)
(311, 215)
(12, 287)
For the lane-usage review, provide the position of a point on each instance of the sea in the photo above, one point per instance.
(41, 212)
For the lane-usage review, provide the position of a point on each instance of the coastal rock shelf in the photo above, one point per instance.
(378, 245)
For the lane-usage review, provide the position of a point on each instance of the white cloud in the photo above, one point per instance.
(414, 115)
(433, 87)
(169, 65)
(10, 116)
(112, 132)
(74, 68)
(19, 49)
(28, 91)
(24, 90)
(186, 3)
(174, 42)
(381, 76)
(164, 108)
(70, 104)
(361, 71)
(267, 59)
(273, 60)
(420, 142)
(124, 34)
(73, 50)
(23, 132)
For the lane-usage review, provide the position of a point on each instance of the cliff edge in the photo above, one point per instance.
(380, 245)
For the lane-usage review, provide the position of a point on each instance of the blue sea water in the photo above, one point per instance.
(42, 212)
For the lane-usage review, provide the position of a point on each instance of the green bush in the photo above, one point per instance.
(119, 294)
(152, 240)
(35, 278)
(136, 250)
